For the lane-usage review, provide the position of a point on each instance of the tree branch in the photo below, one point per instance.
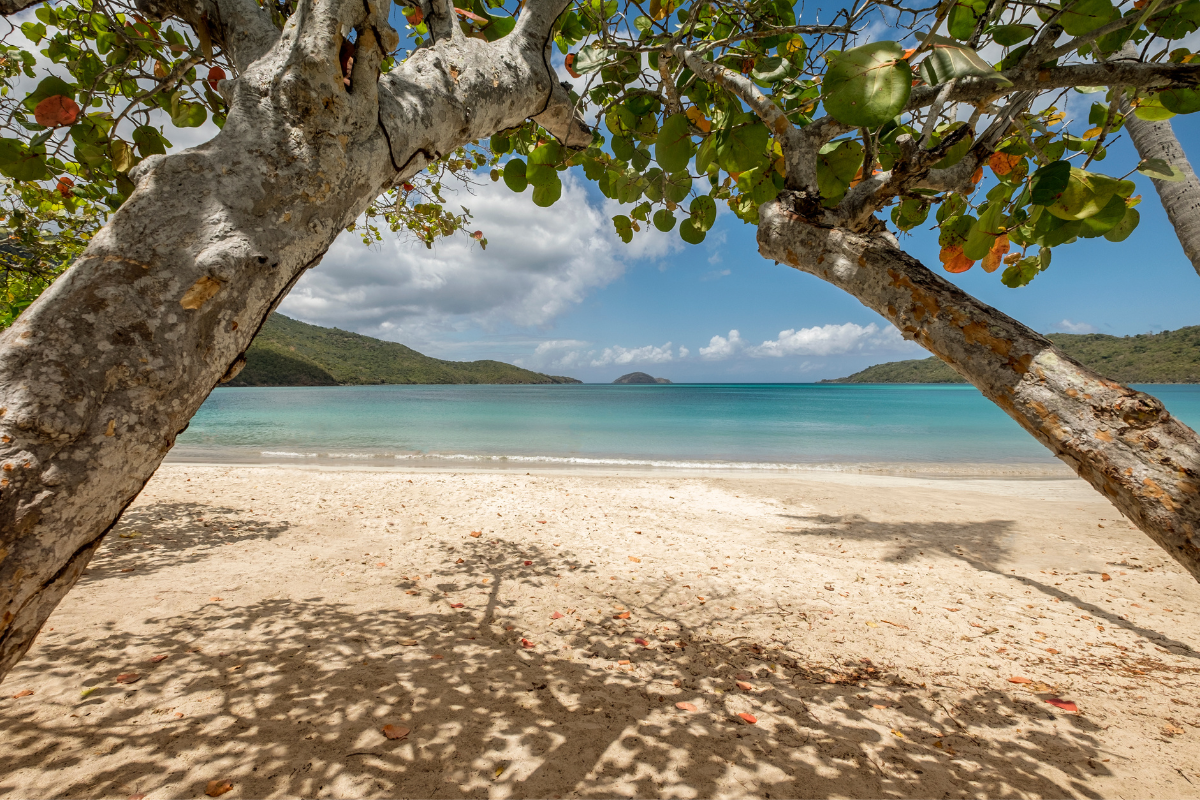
(10, 7)
(241, 27)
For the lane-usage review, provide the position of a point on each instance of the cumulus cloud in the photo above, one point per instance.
(539, 262)
(823, 340)
(1067, 326)
(567, 353)
(638, 355)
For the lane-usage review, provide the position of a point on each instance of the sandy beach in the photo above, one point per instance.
(533, 635)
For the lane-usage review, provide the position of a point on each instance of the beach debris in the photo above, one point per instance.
(1019, 679)
(456, 605)
(1104, 576)
(1051, 651)
(1171, 729)
(407, 642)
(635, 559)
(128, 677)
(897, 624)
(541, 522)
(85, 692)
(216, 599)
(622, 615)
(622, 662)
(745, 687)
(1065, 705)
(395, 731)
(459, 561)
(476, 534)
(556, 615)
(642, 642)
(529, 563)
(157, 659)
(437, 656)
(685, 706)
(527, 643)
(897, 733)
(218, 788)
(22, 693)
(749, 719)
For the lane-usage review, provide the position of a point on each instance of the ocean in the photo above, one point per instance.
(783, 427)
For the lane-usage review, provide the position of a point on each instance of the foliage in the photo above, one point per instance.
(287, 352)
(1167, 357)
(698, 104)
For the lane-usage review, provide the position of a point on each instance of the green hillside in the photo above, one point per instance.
(1167, 357)
(291, 353)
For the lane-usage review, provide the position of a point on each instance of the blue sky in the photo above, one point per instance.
(556, 291)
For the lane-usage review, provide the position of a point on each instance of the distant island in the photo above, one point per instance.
(640, 378)
(1167, 357)
(288, 352)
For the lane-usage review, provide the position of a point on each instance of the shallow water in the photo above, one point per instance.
(695, 426)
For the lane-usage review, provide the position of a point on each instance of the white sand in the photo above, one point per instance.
(877, 619)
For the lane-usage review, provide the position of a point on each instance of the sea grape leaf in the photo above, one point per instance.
(866, 86)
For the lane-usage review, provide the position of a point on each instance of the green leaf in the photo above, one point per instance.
(1108, 218)
(149, 141)
(1084, 16)
(866, 86)
(1085, 195)
(542, 164)
(121, 154)
(188, 115)
(1049, 182)
(1008, 35)
(20, 164)
(963, 17)
(955, 230)
(769, 70)
(1151, 109)
(743, 147)
(983, 233)
(1122, 229)
(706, 154)
(1021, 273)
(909, 213)
(547, 194)
(949, 60)
(1160, 170)
(514, 175)
(622, 147)
(676, 186)
(49, 87)
(664, 220)
(703, 212)
(673, 149)
(624, 227)
(690, 233)
(837, 164)
(590, 58)
(1180, 101)
(1176, 22)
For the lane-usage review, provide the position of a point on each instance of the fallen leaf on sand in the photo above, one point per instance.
(85, 692)
(897, 734)
(1018, 679)
(745, 687)
(642, 642)
(156, 659)
(749, 719)
(437, 656)
(556, 615)
(394, 732)
(685, 706)
(1065, 705)
(216, 599)
(1171, 729)
(635, 559)
(407, 642)
(22, 693)
(622, 615)
(476, 534)
(1051, 651)
(411, 591)
(128, 677)
(894, 624)
(456, 605)
(526, 643)
(622, 662)
(218, 788)
(880, 706)
(381, 564)
(1104, 576)
(459, 561)
(529, 563)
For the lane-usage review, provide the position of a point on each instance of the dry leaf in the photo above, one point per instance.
(1018, 679)
(438, 656)
(745, 687)
(642, 642)
(529, 563)
(556, 615)
(456, 605)
(218, 788)
(635, 559)
(685, 706)
(749, 719)
(156, 659)
(55, 111)
(476, 534)
(459, 561)
(526, 643)
(622, 615)
(1171, 729)
(1051, 651)
(128, 677)
(216, 599)
(394, 732)
(1104, 576)
(1065, 705)
(407, 642)
(22, 693)
(953, 260)
(897, 734)
(622, 662)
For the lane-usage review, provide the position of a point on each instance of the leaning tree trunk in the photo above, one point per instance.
(1180, 199)
(1121, 441)
(100, 375)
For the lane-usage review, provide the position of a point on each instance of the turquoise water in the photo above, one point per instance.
(719, 425)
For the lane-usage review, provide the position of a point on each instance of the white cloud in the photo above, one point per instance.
(683, 352)
(539, 262)
(716, 273)
(638, 355)
(1075, 327)
(720, 348)
(824, 340)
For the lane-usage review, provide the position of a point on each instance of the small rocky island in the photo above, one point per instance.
(640, 377)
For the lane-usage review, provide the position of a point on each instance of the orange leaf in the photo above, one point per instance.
(456, 605)
(22, 693)
(156, 659)
(526, 643)
(529, 563)
(978, 175)
(64, 186)
(1003, 163)
(1104, 576)
(635, 559)
(128, 677)
(685, 706)
(745, 687)
(749, 719)
(1018, 679)
(622, 615)
(55, 111)
(414, 16)
(160, 71)
(215, 74)
(953, 259)
(698, 119)
(476, 534)
(569, 62)
(394, 732)
(218, 788)
(556, 615)
(462, 12)
(1065, 705)
(642, 642)
(995, 256)
(622, 662)
(459, 561)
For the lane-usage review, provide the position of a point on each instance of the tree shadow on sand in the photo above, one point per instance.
(288, 697)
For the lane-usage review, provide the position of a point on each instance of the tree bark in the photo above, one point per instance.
(100, 375)
(1180, 199)
(1121, 441)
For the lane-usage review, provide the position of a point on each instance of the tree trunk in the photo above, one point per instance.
(1180, 199)
(100, 375)
(1121, 441)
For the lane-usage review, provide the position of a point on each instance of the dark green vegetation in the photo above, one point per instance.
(640, 378)
(291, 353)
(1167, 357)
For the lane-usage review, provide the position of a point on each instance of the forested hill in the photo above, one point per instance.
(291, 353)
(1167, 357)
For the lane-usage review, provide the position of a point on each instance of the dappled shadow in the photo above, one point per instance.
(288, 697)
(978, 544)
(151, 537)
